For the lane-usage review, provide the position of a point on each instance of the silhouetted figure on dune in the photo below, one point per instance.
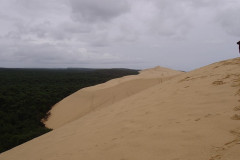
(239, 45)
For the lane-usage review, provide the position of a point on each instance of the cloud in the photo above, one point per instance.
(95, 10)
(228, 19)
(47, 53)
(140, 33)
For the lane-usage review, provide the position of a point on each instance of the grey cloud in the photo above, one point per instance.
(127, 32)
(95, 10)
(28, 52)
(171, 18)
(229, 20)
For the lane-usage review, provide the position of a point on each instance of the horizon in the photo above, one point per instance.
(111, 68)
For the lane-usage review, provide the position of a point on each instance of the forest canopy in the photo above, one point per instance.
(26, 95)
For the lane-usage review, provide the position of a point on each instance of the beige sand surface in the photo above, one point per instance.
(192, 116)
(88, 99)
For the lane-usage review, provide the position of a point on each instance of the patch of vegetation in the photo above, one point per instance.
(26, 95)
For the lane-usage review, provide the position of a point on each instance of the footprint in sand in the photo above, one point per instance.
(235, 117)
(198, 119)
(114, 139)
(208, 115)
(237, 108)
(215, 157)
(218, 83)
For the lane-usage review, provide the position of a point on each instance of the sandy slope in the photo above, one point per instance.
(109, 93)
(193, 116)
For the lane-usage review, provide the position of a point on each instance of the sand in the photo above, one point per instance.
(91, 98)
(159, 114)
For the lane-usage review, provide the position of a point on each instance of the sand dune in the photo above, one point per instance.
(173, 116)
(102, 95)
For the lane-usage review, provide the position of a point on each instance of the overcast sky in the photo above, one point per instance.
(178, 34)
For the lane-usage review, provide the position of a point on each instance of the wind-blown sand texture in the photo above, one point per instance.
(159, 114)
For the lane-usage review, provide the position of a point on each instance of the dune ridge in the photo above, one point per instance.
(193, 115)
(88, 99)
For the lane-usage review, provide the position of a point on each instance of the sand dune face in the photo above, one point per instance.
(89, 99)
(187, 116)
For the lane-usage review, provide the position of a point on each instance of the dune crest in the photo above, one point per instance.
(193, 116)
(88, 99)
